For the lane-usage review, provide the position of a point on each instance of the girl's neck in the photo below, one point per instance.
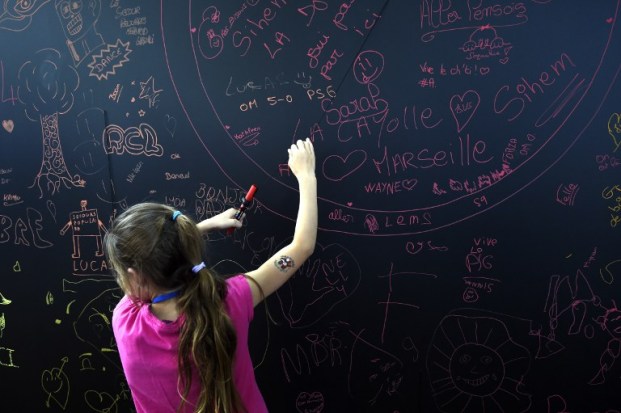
(164, 305)
(165, 310)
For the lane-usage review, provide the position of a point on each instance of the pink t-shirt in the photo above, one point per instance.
(148, 350)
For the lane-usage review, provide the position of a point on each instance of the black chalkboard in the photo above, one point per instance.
(469, 179)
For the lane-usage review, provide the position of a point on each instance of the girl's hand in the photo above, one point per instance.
(221, 221)
(302, 159)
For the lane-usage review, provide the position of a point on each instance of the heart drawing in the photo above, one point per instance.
(337, 168)
(8, 125)
(463, 107)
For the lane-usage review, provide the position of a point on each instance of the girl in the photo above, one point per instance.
(181, 331)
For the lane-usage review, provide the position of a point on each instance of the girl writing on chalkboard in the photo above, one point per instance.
(181, 330)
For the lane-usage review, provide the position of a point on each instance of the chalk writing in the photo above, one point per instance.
(613, 195)
(140, 140)
(329, 277)
(109, 59)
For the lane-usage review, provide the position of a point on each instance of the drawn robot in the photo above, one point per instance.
(78, 19)
(85, 223)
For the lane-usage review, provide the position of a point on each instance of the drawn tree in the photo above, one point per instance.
(46, 86)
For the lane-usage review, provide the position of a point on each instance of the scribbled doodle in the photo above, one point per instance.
(374, 373)
(55, 384)
(368, 66)
(329, 277)
(605, 161)
(610, 323)
(394, 287)
(90, 314)
(101, 402)
(614, 130)
(606, 273)
(210, 42)
(16, 15)
(485, 43)
(310, 402)
(88, 153)
(8, 88)
(171, 125)
(572, 298)
(556, 403)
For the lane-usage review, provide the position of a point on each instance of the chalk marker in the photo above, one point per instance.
(245, 202)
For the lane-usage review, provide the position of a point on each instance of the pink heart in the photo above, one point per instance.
(463, 107)
(409, 184)
(8, 125)
(309, 402)
(609, 20)
(337, 168)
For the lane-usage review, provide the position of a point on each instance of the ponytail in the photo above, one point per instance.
(207, 339)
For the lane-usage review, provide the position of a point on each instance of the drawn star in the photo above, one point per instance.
(147, 89)
(141, 113)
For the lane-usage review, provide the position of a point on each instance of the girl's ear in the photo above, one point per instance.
(137, 284)
(134, 278)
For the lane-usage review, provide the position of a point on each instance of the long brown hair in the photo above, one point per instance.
(163, 251)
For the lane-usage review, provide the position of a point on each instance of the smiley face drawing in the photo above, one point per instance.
(475, 366)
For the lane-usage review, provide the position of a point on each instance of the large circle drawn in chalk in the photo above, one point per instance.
(416, 126)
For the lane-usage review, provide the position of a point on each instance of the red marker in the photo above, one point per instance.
(245, 202)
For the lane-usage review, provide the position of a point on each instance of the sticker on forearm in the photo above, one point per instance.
(283, 263)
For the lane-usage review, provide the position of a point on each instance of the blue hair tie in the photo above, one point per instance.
(198, 267)
(175, 215)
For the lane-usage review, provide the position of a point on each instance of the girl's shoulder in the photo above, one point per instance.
(239, 296)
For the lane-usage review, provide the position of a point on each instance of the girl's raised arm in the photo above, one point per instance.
(274, 272)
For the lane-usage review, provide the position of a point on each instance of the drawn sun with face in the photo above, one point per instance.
(475, 366)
